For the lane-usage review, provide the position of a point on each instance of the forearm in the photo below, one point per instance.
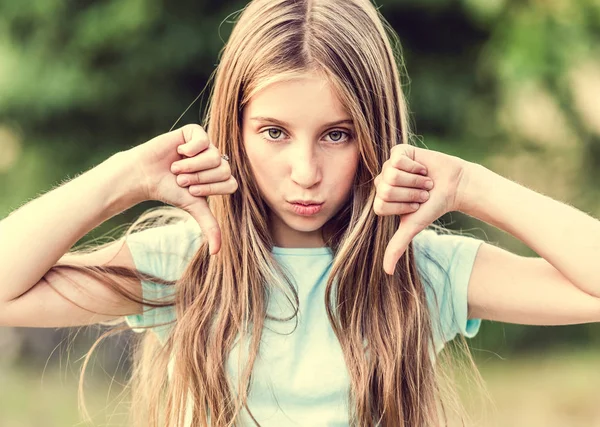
(564, 236)
(35, 236)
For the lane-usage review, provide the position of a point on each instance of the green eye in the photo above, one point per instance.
(338, 133)
(339, 136)
(277, 132)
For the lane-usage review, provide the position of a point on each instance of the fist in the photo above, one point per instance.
(182, 168)
(419, 185)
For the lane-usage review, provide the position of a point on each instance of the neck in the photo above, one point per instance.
(286, 237)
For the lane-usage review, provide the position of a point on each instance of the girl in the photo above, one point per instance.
(296, 278)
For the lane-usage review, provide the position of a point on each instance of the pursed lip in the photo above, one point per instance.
(306, 202)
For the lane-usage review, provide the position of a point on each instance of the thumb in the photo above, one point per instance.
(398, 244)
(208, 224)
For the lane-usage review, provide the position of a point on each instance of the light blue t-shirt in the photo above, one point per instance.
(300, 378)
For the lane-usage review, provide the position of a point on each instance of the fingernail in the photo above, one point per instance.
(182, 180)
(428, 184)
(423, 172)
(175, 169)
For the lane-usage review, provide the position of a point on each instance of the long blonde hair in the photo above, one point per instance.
(382, 322)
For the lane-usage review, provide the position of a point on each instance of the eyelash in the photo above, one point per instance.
(348, 134)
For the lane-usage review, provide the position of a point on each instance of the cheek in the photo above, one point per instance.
(264, 169)
(346, 171)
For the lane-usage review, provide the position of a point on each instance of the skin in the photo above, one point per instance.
(305, 158)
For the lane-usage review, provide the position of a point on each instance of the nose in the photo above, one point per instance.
(306, 171)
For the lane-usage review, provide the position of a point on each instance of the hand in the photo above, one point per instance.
(182, 168)
(400, 184)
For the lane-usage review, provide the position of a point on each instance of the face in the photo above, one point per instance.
(301, 147)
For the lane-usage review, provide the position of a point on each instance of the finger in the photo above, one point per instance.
(410, 226)
(382, 208)
(196, 140)
(214, 188)
(401, 178)
(394, 251)
(219, 174)
(396, 247)
(389, 193)
(208, 224)
(206, 160)
(401, 160)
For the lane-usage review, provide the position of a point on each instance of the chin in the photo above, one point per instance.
(305, 225)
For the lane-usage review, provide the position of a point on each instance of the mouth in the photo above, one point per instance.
(306, 207)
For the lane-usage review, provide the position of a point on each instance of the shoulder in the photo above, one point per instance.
(445, 251)
(164, 251)
(444, 262)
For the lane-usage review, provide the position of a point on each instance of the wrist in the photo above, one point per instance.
(127, 190)
(471, 187)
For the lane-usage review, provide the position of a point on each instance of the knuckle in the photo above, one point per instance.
(398, 160)
(407, 208)
(224, 172)
(234, 185)
(415, 167)
(397, 149)
(385, 192)
(184, 179)
(177, 167)
(215, 158)
(203, 142)
(378, 206)
(415, 196)
(391, 175)
(190, 130)
(385, 174)
(184, 166)
(226, 168)
(197, 190)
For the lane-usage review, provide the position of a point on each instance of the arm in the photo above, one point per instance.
(38, 235)
(506, 287)
(566, 238)
(43, 307)
(34, 237)
(560, 287)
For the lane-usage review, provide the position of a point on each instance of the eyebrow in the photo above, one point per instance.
(285, 124)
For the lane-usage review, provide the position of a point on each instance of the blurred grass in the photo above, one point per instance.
(557, 388)
(546, 389)
(32, 398)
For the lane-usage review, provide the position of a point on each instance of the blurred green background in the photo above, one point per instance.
(513, 85)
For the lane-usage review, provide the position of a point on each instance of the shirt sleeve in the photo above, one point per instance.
(164, 252)
(445, 263)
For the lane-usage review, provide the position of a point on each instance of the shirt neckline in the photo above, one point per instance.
(323, 250)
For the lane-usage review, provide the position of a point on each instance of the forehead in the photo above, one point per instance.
(305, 96)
